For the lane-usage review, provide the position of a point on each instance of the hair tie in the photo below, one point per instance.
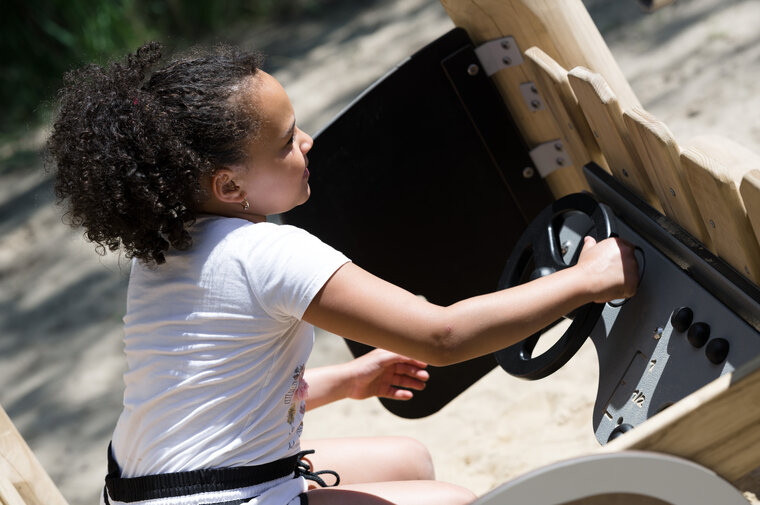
(134, 101)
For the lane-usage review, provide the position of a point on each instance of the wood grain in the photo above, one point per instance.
(554, 88)
(20, 467)
(750, 191)
(604, 115)
(661, 158)
(718, 426)
(8, 493)
(562, 29)
(715, 167)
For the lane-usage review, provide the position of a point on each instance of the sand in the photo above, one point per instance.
(694, 64)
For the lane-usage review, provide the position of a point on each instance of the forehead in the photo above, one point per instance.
(270, 101)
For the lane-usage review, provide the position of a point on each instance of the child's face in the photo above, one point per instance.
(274, 176)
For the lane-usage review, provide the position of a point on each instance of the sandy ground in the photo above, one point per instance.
(695, 65)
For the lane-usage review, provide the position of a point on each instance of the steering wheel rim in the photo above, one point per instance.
(539, 251)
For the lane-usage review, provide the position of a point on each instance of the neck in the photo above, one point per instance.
(216, 208)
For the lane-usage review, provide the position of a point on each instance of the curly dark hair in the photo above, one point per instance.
(130, 145)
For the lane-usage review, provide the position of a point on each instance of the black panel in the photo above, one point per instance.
(407, 186)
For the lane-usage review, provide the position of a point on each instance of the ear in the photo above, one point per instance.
(223, 186)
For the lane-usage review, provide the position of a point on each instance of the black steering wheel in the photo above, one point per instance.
(539, 253)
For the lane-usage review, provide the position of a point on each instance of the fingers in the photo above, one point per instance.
(403, 381)
(399, 394)
(412, 371)
(611, 268)
(384, 373)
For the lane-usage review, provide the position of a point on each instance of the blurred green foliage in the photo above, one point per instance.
(41, 39)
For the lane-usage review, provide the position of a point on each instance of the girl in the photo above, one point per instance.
(180, 166)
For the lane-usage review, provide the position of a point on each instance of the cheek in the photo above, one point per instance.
(278, 187)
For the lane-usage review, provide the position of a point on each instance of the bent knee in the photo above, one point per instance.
(421, 462)
(452, 494)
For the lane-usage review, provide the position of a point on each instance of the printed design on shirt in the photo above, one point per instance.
(296, 395)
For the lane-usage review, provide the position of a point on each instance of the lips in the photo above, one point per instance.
(306, 172)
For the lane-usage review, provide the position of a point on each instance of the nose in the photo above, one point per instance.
(306, 141)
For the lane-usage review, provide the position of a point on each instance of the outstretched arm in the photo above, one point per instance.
(357, 305)
(378, 373)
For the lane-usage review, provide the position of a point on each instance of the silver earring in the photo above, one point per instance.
(245, 204)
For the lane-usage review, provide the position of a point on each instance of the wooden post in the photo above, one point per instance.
(750, 190)
(22, 470)
(551, 78)
(660, 156)
(602, 110)
(563, 30)
(714, 167)
(8, 493)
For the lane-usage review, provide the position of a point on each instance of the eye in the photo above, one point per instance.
(291, 140)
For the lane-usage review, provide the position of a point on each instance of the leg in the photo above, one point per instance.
(413, 492)
(372, 459)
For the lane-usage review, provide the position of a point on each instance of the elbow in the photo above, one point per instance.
(444, 349)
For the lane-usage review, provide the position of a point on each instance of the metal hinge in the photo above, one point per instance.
(550, 156)
(531, 97)
(497, 54)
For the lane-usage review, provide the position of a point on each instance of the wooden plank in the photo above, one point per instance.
(8, 493)
(714, 167)
(660, 155)
(718, 426)
(604, 115)
(555, 91)
(561, 28)
(20, 467)
(750, 191)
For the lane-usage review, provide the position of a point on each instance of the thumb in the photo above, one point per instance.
(588, 241)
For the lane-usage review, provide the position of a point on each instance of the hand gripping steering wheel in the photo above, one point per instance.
(539, 253)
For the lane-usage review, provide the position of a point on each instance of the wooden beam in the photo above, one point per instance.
(661, 157)
(750, 190)
(564, 30)
(556, 93)
(8, 493)
(718, 426)
(20, 467)
(714, 167)
(604, 115)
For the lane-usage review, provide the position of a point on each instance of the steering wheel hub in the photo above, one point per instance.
(538, 253)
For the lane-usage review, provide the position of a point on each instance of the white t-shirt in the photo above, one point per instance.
(216, 348)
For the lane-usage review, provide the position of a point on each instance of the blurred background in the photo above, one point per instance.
(694, 64)
(42, 39)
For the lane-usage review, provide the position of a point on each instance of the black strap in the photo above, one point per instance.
(303, 469)
(168, 485)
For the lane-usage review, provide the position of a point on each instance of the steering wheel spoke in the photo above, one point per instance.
(539, 252)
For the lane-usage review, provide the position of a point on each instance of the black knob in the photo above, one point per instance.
(681, 318)
(717, 350)
(699, 334)
(619, 430)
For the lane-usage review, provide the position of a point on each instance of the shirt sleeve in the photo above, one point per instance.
(287, 267)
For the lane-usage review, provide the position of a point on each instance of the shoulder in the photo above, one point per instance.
(269, 234)
(261, 242)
